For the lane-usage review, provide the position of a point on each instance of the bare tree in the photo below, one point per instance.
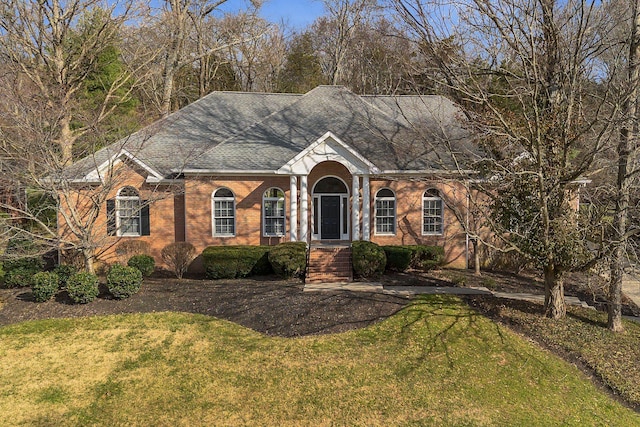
(335, 33)
(379, 59)
(524, 74)
(628, 151)
(49, 48)
(255, 50)
(180, 35)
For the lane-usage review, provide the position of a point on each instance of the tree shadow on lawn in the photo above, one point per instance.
(448, 323)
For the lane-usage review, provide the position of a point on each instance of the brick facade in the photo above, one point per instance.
(409, 195)
(166, 215)
(185, 213)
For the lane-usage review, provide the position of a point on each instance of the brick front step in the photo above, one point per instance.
(329, 265)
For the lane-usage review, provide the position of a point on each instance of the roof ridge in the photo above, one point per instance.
(302, 97)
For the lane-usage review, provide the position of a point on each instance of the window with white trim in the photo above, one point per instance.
(432, 212)
(273, 213)
(128, 217)
(385, 206)
(224, 213)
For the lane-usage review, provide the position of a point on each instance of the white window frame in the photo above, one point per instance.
(375, 214)
(430, 199)
(215, 199)
(282, 217)
(137, 213)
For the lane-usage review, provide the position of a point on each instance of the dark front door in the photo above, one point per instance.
(330, 217)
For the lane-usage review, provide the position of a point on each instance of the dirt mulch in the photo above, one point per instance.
(264, 304)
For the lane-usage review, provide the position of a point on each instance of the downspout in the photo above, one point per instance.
(466, 249)
(58, 230)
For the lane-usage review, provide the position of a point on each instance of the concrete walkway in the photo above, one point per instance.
(430, 290)
(631, 287)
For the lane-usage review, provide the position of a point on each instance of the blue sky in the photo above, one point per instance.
(296, 13)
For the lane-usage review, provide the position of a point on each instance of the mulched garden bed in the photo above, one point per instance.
(280, 307)
(265, 304)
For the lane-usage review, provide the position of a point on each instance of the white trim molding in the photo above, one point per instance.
(99, 173)
(328, 148)
(293, 208)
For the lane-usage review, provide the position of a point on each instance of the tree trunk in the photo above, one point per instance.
(627, 152)
(554, 303)
(65, 141)
(173, 54)
(614, 320)
(89, 258)
(476, 256)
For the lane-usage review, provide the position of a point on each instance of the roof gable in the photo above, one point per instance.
(328, 148)
(98, 174)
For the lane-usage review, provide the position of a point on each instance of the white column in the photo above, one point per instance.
(366, 203)
(355, 208)
(293, 208)
(304, 209)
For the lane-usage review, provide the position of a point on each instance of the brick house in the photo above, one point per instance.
(328, 166)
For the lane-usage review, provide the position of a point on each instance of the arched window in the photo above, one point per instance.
(224, 213)
(273, 212)
(385, 218)
(128, 212)
(432, 214)
(330, 185)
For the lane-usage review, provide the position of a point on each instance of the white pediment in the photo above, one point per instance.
(328, 148)
(103, 170)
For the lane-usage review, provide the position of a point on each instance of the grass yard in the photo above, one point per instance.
(437, 362)
(582, 336)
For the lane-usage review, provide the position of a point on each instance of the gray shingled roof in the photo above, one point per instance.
(238, 131)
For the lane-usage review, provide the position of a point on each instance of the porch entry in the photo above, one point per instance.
(330, 209)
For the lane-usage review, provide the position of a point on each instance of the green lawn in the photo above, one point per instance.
(434, 363)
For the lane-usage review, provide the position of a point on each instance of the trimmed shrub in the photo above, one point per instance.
(145, 263)
(64, 271)
(229, 262)
(44, 285)
(426, 257)
(368, 259)
(289, 259)
(22, 264)
(398, 257)
(19, 277)
(178, 256)
(83, 287)
(423, 257)
(123, 281)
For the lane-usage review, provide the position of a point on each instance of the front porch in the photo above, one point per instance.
(329, 262)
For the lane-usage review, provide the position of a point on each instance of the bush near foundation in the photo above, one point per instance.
(44, 285)
(398, 258)
(289, 259)
(230, 262)
(23, 263)
(369, 259)
(83, 287)
(145, 263)
(178, 256)
(123, 281)
(64, 272)
(425, 257)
